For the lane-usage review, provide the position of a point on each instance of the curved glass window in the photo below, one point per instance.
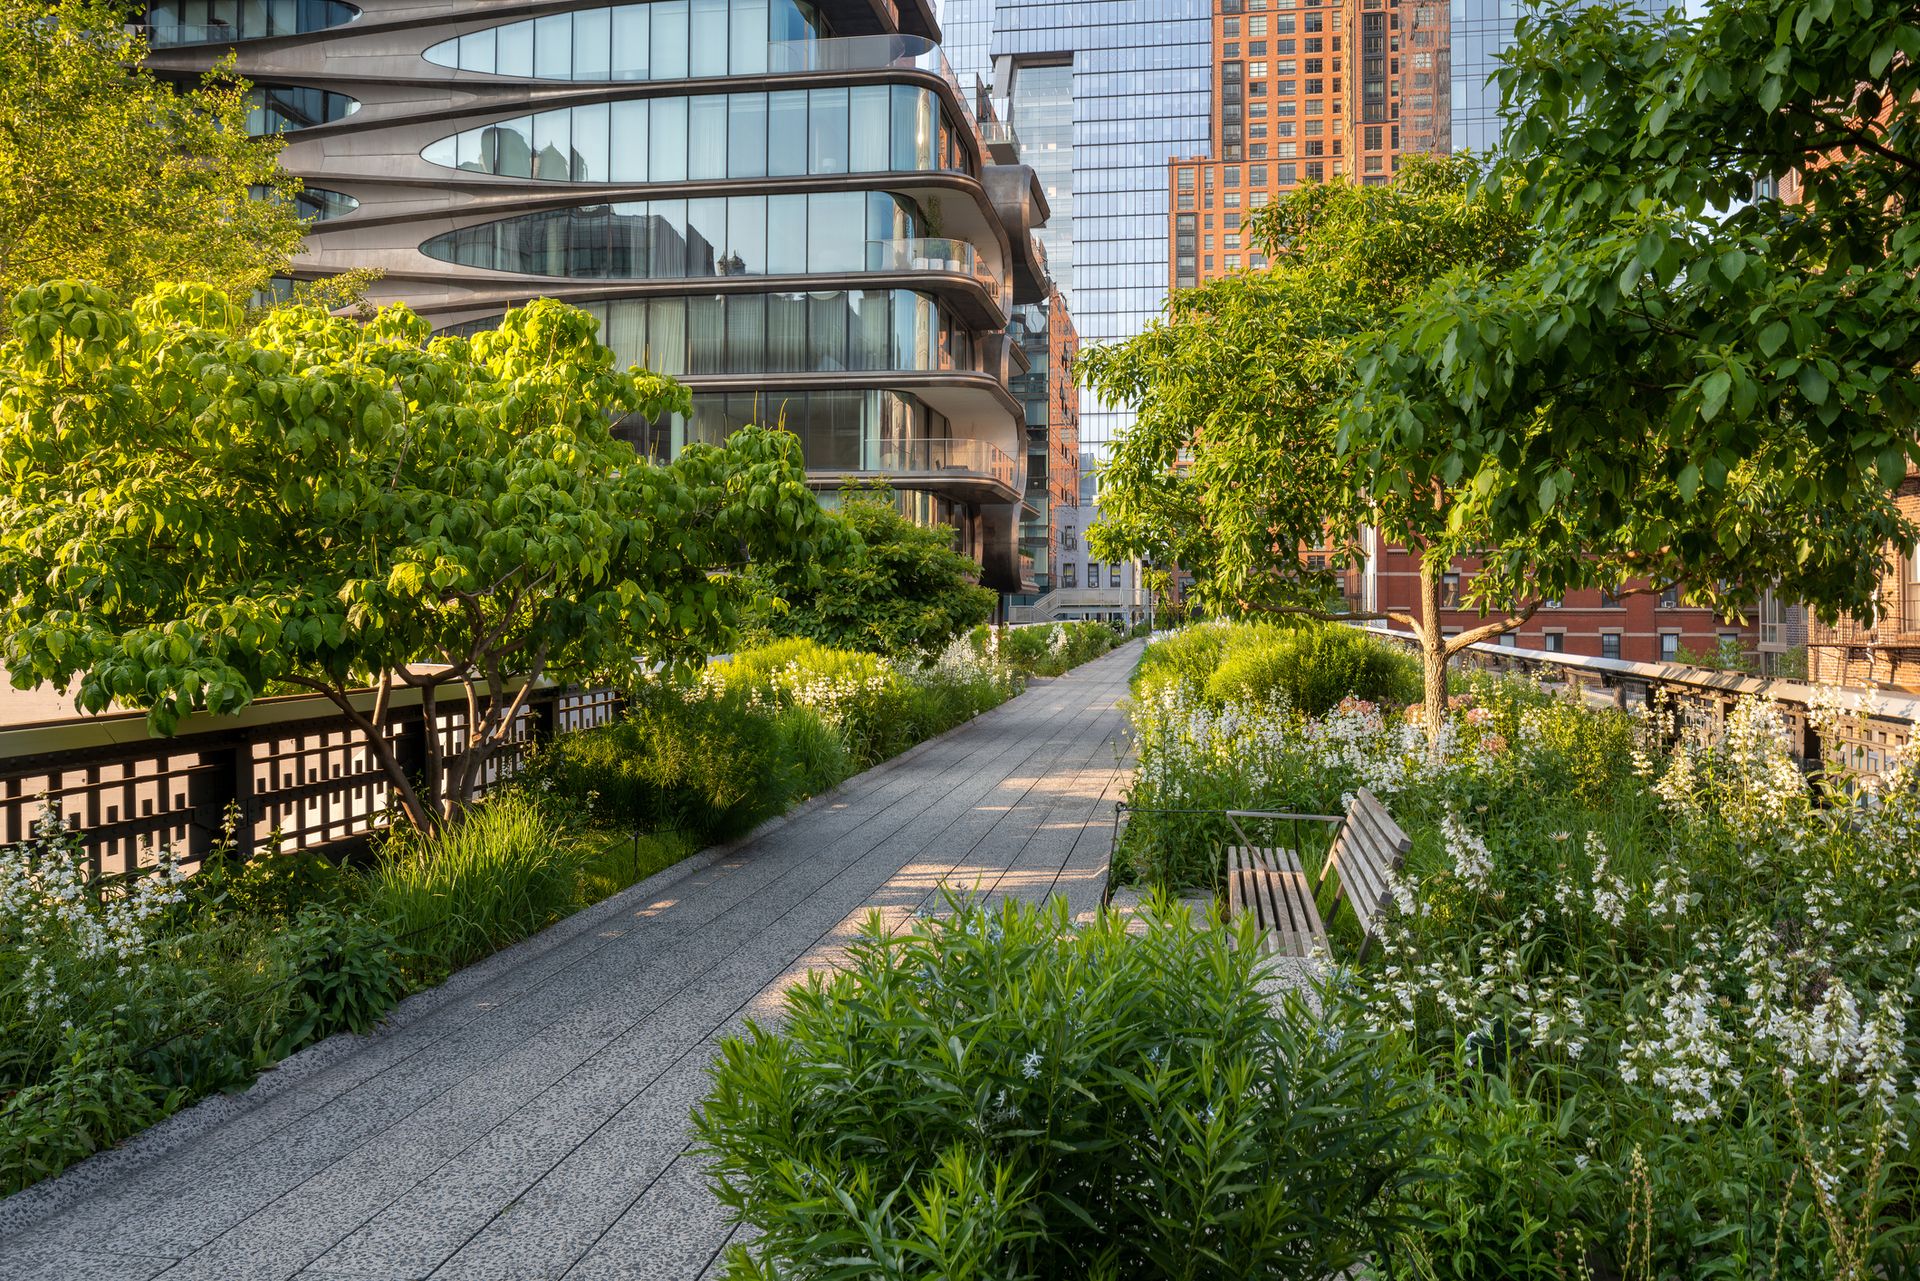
(831, 331)
(664, 239)
(839, 430)
(315, 204)
(172, 22)
(665, 40)
(285, 108)
(319, 204)
(866, 129)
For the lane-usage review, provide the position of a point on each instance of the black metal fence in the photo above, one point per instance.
(293, 769)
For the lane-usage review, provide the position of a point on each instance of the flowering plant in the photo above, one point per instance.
(1680, 966)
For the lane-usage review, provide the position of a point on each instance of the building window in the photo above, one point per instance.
(1113, 574)
(1093, 573)
(717, 236)
(636, 41)
(1069, 571)
(754, 135)
(1509, 640)
(1670, 598)
(1556, 642)
(1450, 591)
(1669, 646)
(1608, 600)
(1609, 644)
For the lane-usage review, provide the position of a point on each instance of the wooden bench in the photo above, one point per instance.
(1269, 883)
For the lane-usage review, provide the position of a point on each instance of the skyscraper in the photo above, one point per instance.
(787, 205)
(1308, 90)
(1100, 93)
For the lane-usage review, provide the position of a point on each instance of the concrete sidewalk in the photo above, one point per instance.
(529, 1119)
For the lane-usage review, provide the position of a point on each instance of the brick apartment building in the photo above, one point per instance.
(1304, 92)
(1885, 649)
(1636, 625)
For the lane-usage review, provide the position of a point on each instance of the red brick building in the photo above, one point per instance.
(1885, 649)
(1638, 626)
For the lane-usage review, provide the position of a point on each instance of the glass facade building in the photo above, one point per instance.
(1481, 31)
(790, 206)
(1100, 93)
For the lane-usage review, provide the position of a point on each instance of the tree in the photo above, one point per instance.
(1237, 469)
(1728, 398)
(111, 175)
(190, 515)
(894, 587)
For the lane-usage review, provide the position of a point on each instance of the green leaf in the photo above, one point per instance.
(1713, 395)
(1689, 481)
(1813, 385)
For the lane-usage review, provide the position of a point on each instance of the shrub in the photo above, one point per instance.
(1046, 650)
(91, 1099)
(696, 760)
(344, 973)
(272, 885)
(495, 875)
(1313, 668)
(851, 691)
(895, 588)
(1004, 1095)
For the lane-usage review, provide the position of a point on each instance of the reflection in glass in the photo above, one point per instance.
(798, 131)
(285, 108)
(728, 236)
(224, 21)
(787, 133)
(662, 40)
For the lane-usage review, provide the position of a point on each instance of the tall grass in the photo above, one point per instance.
(458, 894)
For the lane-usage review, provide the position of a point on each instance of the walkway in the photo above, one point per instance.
(529, 1119)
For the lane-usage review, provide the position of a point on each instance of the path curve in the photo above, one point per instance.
(529, 1119)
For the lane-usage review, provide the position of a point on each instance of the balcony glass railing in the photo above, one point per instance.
(871, 53)
(958, 458)
(926, 254)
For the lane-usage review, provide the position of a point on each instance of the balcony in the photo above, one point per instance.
(871, 53)
(925, 254)
(963, 467)
(1002, 143)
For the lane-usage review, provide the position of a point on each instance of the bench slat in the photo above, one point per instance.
(1269, 884)
(1383, 821)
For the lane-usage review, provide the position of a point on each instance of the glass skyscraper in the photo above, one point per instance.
(1481, 30)
(1101, 93)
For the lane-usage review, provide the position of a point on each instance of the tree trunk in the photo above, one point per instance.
(1433, 653)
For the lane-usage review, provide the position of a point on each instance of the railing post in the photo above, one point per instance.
(240, 767)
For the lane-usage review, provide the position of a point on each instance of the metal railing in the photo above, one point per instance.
(966, 456)
(933, 254)
(1860, 743)
(294, 769)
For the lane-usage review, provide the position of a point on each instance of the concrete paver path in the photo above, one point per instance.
(529, 1119)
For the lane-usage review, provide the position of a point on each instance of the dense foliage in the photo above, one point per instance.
(714, 754)
(895, 588)
(1306, 667)
(122, 999)
(110, 174)
(1717, 380)
(1239, 467)
(1000, 1094)
(1046, 649)
(1662, 991)
(190, 513)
